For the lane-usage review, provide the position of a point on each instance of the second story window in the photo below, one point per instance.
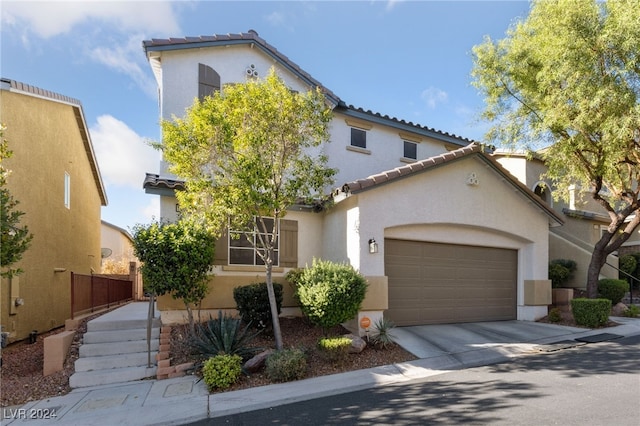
(410, 150)
(208, 81)
(358, 138)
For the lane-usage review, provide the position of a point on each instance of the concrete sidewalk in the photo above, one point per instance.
(184, 400)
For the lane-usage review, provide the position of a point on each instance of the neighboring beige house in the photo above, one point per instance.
(442, 232)
(56, 179)
(117, 246)
(584, 218)
(118, 256)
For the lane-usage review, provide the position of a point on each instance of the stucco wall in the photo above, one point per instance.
(439, 206)
(180, 73)
(46, 143)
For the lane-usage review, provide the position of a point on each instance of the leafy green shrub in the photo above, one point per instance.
(223, 335)
(628, 264)
(383, 336)
(335, 349)
(286, 365)
(632, 311)
(613, 290)
(554, 315)
(253, 303)
(591, 312)
(561, 271)
(293, 276)
(221, 371)
(330, 293)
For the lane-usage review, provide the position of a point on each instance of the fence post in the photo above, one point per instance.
(73, 296)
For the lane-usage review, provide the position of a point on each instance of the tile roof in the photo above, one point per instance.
(252, 37)
(407, 125)
(249, 37)
(22, 87)
(481, 151)
(152, 180)
(410, 169)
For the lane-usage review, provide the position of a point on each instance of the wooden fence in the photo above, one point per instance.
(93, 292)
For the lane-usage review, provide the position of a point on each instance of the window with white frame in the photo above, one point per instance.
(67, 190)
(245, 247)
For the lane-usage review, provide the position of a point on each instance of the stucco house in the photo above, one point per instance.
(584, 219)
(440, 229)
(118, 256)
(56, 179)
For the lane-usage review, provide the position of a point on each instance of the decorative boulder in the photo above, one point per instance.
(256, 363)
(618, 310)
(357, 344)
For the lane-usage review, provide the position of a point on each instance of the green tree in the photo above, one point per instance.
(16, 238)
(247, 154)
(175, 260)
(568, 76)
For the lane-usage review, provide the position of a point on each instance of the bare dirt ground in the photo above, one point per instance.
(21, 376)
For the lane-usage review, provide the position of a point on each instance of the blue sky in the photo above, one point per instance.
(405, 59)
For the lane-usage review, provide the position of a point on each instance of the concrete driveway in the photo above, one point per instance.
(450, 346)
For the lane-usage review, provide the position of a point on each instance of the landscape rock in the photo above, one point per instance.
(618, 310)
(256, 363)
(357, 343)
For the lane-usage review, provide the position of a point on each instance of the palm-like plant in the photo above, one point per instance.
(223, 335)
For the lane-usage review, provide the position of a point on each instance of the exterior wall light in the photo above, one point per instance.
(373, 246)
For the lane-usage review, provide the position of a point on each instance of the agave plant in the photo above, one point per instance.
(223, 335)
(384, 337)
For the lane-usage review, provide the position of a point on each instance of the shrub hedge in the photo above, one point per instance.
(330, 293)
(286, 365)
(253, 303)
(613, 290)
(591, 312)
(221, 371)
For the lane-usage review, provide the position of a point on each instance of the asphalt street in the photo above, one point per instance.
(594, 384)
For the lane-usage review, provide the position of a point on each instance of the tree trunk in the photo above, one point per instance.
(598, 259)
(274, 307)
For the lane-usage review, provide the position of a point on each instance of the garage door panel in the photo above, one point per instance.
(431, 283)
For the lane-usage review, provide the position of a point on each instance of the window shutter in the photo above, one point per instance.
(221, 254)
(289, 243)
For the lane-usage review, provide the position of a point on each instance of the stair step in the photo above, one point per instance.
(115, 348)
(119, 336)
(107, 362)
(99, 324)
(104, 377)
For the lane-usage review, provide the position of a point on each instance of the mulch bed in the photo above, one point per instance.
(296, 333)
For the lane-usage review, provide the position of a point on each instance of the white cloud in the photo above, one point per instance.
(276, 19)
(433, 96)
(122, 154)
(51, 18)
(151, 211)
(392, 3)
(125, 59)
(113, 39)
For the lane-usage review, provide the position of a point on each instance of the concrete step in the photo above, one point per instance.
(119, 336)
(105, 377)
(106, 362)
(100, 324)
(115, 348)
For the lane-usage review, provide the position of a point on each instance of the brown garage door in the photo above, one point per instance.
(432, 283)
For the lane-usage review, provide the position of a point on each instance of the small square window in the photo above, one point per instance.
(358, 138)
(410, 150)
